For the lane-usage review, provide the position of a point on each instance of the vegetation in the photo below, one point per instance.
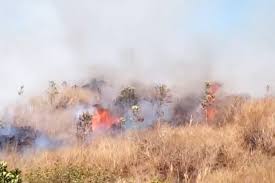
(52, 91)
(127, 98)
(9, 176)
(161, 97)
(236, 146)
(83, 126)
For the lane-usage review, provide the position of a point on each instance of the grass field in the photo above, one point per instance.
(237, 147)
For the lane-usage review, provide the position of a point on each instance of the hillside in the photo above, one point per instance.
(237, 146)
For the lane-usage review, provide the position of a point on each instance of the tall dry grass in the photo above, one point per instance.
(240, 149)
(55, 118)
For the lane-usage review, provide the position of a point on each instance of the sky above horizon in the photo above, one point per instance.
(175, 41)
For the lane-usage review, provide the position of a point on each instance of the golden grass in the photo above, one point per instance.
(240, 150)
(57, 118)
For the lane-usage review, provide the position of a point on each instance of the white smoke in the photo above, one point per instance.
(176, 42)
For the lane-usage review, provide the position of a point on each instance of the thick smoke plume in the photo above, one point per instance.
(180, 43)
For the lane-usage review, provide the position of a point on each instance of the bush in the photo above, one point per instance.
(6, 176)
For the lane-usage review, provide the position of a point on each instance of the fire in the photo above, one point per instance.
(103, 119)
(210, 100)
(211, 113)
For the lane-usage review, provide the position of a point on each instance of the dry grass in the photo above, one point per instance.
(56, 118)
(242, 149)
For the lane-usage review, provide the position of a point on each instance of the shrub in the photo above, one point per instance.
(9, 176)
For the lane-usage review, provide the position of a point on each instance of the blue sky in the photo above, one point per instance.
(191, 39)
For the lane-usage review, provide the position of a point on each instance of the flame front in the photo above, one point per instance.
(210, 108)
(211, 113)
(103, 119)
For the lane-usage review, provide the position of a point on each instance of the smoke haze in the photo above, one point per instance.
(176, 42)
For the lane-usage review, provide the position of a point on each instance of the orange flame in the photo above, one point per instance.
(103, 119)
(211, 113)
(211, 110)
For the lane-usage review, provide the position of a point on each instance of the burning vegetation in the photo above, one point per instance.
(209, 102)
(133, 108)
(137, 134)
(103, 119)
